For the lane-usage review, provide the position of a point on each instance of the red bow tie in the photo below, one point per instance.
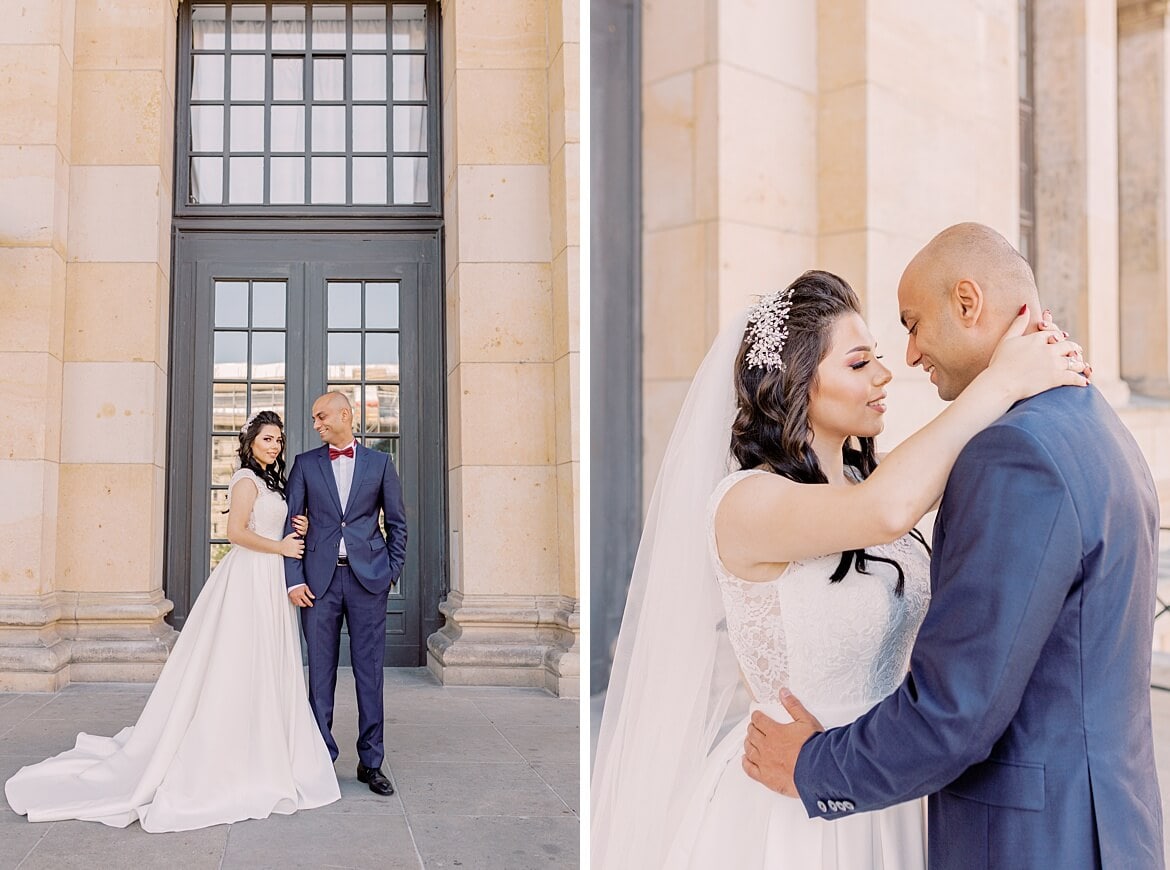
(348, 451)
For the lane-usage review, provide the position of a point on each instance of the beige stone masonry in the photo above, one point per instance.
(86, 172)
(511, 193)
(36, 58)
(28, 530)
(1143, 85)
(507, 640)
(85, 161)
(114, 313)
(918, 130)
(843, 136)
(1077, 244)
(729, 161)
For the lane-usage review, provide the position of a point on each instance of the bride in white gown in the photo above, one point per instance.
(784, 562)
(227, 733)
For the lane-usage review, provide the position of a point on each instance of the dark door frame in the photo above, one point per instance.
(615, 311)
(331, 254)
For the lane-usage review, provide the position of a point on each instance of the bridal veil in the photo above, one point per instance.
(674, 675)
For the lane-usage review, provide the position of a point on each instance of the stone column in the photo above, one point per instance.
(36, 64)
(1143, 119)
(510, 213)
(564, 94)
(918, 130)
(679, 291)
(87, 163)
(1075, 72)
(113, 433)
(729, 180)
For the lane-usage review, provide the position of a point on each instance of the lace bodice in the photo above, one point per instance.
(269, 511)
(834, 645)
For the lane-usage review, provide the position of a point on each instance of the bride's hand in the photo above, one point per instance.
(300, 524)
(292, 546)
(1047, 324)
(1030, 364)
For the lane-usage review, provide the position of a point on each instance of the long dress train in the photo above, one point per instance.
(227, 733)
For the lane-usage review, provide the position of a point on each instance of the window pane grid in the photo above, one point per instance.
(383, 158)
(362, 357)
(248, 375)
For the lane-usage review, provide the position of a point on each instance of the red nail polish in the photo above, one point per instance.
(1023, 308)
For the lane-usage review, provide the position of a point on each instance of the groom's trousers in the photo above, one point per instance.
(365, 616)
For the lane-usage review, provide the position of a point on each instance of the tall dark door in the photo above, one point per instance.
(269, 322)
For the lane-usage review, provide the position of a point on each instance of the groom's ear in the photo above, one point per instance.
(967, 297)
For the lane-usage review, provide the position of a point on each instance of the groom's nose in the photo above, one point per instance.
(913, 357)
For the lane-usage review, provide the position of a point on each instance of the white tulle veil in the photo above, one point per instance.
(674, 675)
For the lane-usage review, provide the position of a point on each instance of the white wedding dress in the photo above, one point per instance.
(227, 733)
(840, 648)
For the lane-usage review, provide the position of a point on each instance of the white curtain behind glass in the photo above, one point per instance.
(414, 176)
(326, 130)
(207, 122)
(288, 32)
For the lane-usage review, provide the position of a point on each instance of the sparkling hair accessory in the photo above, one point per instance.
(768, 320)
(250, 421)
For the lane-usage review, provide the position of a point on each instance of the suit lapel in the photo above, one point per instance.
(326, 469)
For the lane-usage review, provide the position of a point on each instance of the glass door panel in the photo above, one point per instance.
(268, 334)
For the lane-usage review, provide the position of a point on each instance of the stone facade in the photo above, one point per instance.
(843, 136)
(86, 172)
(510, 104)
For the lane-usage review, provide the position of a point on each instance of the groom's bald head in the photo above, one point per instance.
(975, 252)
(335, 400)
(957, 297)
(333, 418)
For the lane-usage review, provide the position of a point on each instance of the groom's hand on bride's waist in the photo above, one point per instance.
(770, 748)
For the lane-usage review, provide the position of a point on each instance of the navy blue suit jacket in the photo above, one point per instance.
(1026, 712)
(375, 561)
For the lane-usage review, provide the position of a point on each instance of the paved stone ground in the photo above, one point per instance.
(485, 778)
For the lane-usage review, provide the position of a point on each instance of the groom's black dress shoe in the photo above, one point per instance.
(377, 780)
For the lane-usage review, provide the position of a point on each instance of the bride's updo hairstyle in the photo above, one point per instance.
(273, 476)
(771, 428)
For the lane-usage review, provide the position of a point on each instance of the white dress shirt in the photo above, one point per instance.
(343, 473)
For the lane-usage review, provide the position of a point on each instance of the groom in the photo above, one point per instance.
(346, 572)
(1026, 712)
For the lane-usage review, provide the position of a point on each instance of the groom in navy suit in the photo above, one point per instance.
(1026, 712)
(346, 572)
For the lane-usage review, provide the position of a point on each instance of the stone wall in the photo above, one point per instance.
(85, 173)
(86, 178)
(511, 160)
(844, 135)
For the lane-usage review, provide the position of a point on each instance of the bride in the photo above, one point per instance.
(789, 561)
(227, 733)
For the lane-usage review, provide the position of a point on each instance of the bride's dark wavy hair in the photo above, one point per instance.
(772, 428)
(273, 475)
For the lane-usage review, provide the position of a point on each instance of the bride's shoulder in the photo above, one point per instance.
(743, 482)
(244, 474)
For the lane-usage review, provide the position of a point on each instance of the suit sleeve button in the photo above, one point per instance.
(822, 807)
